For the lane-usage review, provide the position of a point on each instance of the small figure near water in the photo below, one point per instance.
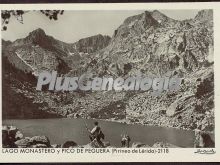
(96, 134)
(125, 141)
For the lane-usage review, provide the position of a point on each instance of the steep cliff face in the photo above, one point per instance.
(92, 44)
(17, 99)
(162, 19)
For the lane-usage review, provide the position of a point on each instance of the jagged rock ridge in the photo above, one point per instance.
(42, 52)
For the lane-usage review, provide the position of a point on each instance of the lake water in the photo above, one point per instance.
(61, 130)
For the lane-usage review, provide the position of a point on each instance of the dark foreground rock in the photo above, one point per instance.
(203, 140)
(10, 134)
(13, 138)
(33, 142)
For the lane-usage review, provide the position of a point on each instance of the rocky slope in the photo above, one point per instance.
(150, 44)
(154, 45)
(17, 99)
(26, 57)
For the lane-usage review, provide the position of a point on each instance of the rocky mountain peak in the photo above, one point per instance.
(37, 36)
(145, 17)
(149, 20)
(157, 12)
(135, 25)
(38, 31)
(160, 17)
(131, 19)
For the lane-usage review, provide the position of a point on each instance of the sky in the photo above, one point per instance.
(74, 25)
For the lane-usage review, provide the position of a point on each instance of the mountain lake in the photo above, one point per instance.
(62, 130)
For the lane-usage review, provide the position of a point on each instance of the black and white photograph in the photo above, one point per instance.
(108, 78)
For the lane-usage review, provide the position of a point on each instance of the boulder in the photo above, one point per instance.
(164, 145)
(106, 144)
(39, 146)
(12, 130)
(171, 110)
(40, 140)
(56, 146)
(139, 145)
(18, 135)
(69, 144)
(23, 143)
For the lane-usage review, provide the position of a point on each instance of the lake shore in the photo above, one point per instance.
(13, 138)
(74, 129)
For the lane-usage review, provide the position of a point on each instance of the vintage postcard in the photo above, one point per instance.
(110, 82)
